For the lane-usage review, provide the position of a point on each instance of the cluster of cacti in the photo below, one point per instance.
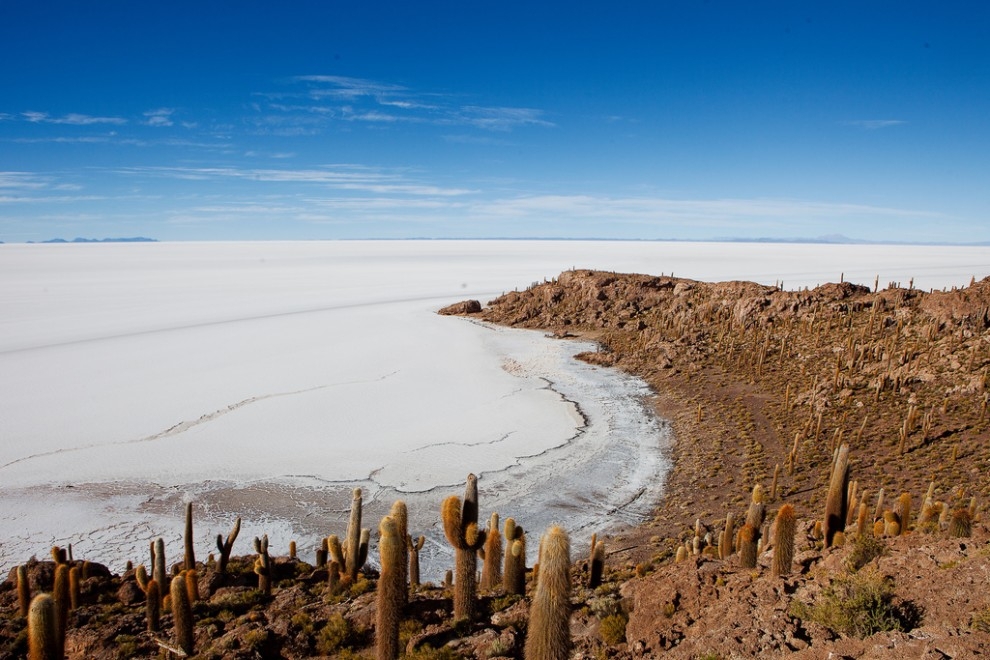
(514, 569)
(460, 525)
(491, 556)
(351, 556)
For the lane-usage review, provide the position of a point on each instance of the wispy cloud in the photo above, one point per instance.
(874, 124)
(355, 178)
(338, 98)
(159, 117)
(74, 119)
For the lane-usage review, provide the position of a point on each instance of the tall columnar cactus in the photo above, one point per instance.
(597, 564)
(400, 516)
(548, 636)
(153, 606)
(392, 592)
(263, 565)
(158, 562)
(74, 590)
(904, 511)
(189, 558)
(747, 546)
(726, 537)
(60, 595)
(43, 640)
(491, 572)
(182, 616)
(835, 502)
(23, 590)
(961, 523)
(783, 541)
(514, 574)
(226, 546)
(414, 549)
(460, 525)
(353, 547)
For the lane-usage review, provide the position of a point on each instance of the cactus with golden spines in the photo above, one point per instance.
(158, 562)
(23, 590)
(491, 555)
(414, 548)
(60, 596)
(353, 561)
(263, 565)
(400, 515)
(292, 549)
(43, 638)
(460, 525)
(597, 562)
(322, 553)
(747, 546)
(192, 585)
(226, 546)
(682, 554)
(153, 606)
(392, 592)
(548, 635)
(726, 536)
(961, 523)
(835, 502)
(783, 541)
(862, 521)
(891, 523)
(182, 616)
(333, 576)
(514, 573)
(904, 511)
(74, 573)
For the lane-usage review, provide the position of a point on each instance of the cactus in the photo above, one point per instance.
(904, 511)
(514, 573)
(597, 562)
(460, 525)
(153, 606)
(414, 549)
(725, 538)
(861, 520)
(23, 590)
(263, 565)
(226, 546)
(333, 576)
(391, 594)
(189, 558)
(43, 639)
(322, 553)
(353, 538)
(192, 585)
(961, 523)
(182, 616)
(60, 596)
(548, 636)
(835, 502)
(74, 587)
(783, 541)
(491, 572)
(292, 549)
(158, 562)
(747, 546)
(891, 524)
(400, 515)
(682, 554)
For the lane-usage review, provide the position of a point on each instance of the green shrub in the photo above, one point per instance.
(613, 629)
(335, 635)
(981, 620)
(859, 605)
(865, 548)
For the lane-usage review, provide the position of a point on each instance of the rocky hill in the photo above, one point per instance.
(766, 391)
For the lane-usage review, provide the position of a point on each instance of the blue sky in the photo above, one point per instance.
(640, 120)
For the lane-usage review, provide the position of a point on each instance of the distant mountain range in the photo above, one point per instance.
(136, 239)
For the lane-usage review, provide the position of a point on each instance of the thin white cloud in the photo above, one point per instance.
(874, 124)
(502, 119)
(159, 117)
(22, 181)
(73, 118)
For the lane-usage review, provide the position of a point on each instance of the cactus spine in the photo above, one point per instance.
(460, 525)
(182, 617)
(226, 546)
(391, 593)
(783, 541)
(835, 502)
(549, 635)
(43, 640)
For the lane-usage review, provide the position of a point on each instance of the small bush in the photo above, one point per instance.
(859, 605)
(981, 620)
(613, 629)
(865, 548)
(335, 635)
